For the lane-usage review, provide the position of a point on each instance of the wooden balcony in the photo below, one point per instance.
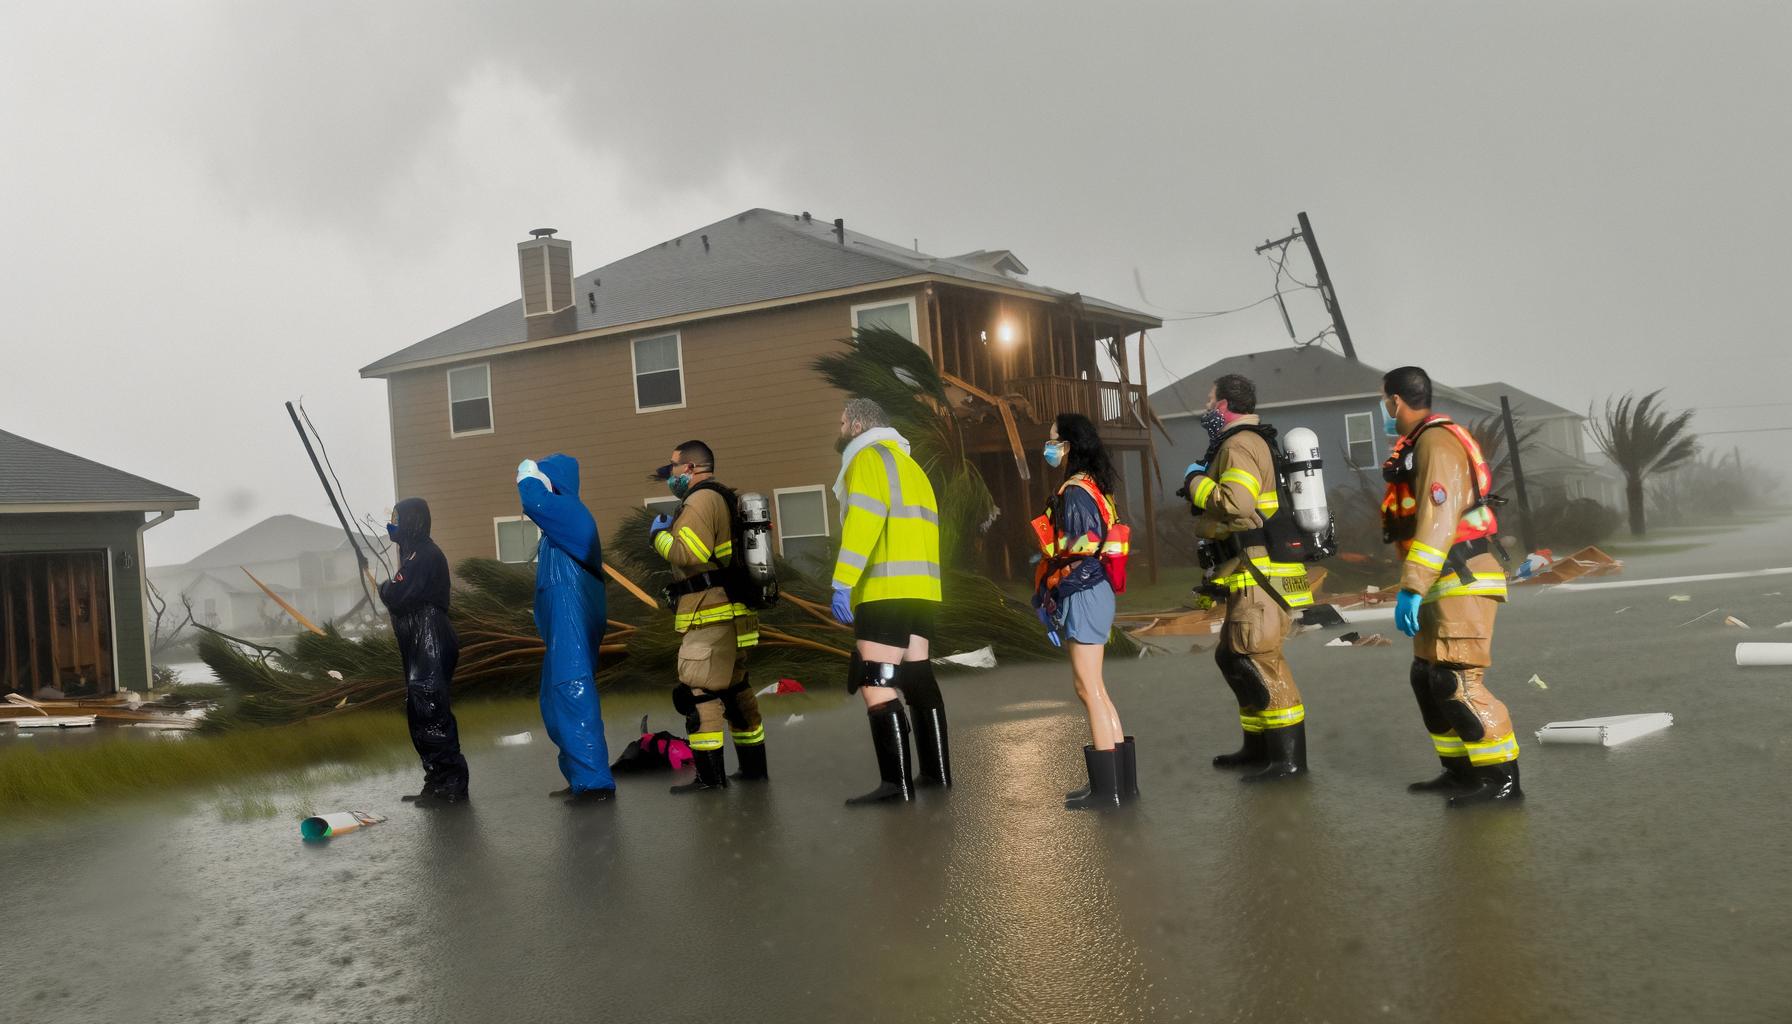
(1117, 409)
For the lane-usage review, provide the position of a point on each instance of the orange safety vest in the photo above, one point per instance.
(1400, 506)
(1113, 547)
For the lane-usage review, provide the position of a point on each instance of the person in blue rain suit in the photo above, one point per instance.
(417, 597)
(570, 615)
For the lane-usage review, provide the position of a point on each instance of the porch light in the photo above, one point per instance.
(1005, 332)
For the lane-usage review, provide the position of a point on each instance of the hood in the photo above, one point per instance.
(411, 516)
(563, 470)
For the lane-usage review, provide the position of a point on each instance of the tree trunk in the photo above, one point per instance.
(1633, 496)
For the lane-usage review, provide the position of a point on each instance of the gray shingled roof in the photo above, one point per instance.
(754, 256)
(1290, 376)
(274, 539)
(1523, 402)
(37, 474)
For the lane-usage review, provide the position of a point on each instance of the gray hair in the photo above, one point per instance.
(866, 413)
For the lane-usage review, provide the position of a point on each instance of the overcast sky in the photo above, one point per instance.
(211, 207)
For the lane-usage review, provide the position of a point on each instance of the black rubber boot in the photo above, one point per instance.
(591, 796)
(1285, 753)
(889, 738)
(560, 794)
(1493, 782)
(752, 763)
(709, 773)
(1457, 777)
(439, 799)
(933, 751)
(1129, 768)
(426, 791)
(1248, 756)
(1104, 781)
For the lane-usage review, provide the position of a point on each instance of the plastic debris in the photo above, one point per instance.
(336, 823)
(1537, 681)
(1731, 620)
(57, 722)
(518, 739)
(781, 686)
(1355, 639)
(1683, 598)
(1784, 625)
(1761, 655)
(1622, 610)
(793, 719)
(333, 674)
(983, 657)
(1605, 732)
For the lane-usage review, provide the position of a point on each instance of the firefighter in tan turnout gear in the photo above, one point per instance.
(697, 539)
(1240, 519)
(1438, 511)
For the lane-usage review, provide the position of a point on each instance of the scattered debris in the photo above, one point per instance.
(1606, 732)
(1622, 610)
(1321, 616)
(1535, 562)
(1760, 655)
(333, 674)
(983, 657)
(1774, 593)
(1731, 620)
(1682, 598)
(1537, 681)
(1355, 639)
(1707, 615)
(1585, 563)
(57, 722)
(1784, 625)
(336, 823)
(793, 719)
(781, 686)
(519, 739)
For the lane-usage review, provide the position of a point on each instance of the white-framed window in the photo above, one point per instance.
(470, 400)
(517, 538)
(659, 372)
(801, 517)
(665, 504)
(1359, 438)
(896, 314)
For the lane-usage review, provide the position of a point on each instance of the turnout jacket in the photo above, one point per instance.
(1236, 493)
(701, 539)
(1444, 492)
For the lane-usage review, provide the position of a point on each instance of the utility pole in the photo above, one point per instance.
(1326, 291)
(1524, 501)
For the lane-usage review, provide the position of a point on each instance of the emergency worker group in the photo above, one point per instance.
(1260, 513)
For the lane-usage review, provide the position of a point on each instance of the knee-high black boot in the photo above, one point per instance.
(1286, 754)
(1492, 782)
(889, 738)
(933, 749)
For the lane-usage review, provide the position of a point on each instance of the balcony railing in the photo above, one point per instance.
(1109, 404)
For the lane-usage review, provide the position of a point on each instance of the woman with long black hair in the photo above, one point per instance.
(1075, 600)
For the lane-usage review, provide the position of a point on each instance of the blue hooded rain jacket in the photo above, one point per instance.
(570, 615)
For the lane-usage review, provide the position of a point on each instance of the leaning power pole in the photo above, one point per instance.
(1326, 291)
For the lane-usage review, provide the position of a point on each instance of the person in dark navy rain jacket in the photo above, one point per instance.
(417, 596)
(570, 615)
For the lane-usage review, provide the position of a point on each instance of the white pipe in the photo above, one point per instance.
(336, 823)
(1760, 655)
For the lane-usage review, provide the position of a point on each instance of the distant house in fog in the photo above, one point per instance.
(1556, 462)
(310, 565)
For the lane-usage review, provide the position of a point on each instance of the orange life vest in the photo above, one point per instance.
(1113, 547)
(1400, 505)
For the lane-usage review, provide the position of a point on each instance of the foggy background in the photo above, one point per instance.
(211, 207)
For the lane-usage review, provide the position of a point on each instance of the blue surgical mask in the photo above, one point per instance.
(1054, 453)
(679, 485)
(1390, 426)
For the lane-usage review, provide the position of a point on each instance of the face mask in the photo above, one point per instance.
(1054, 453)
(1214, 423)
(392, 530)
(1390, 426)
(679, 485)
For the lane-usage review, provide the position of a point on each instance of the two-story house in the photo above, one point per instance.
(309, 565)
(711, 336)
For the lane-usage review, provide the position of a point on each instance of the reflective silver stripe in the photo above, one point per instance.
(921, 512)
(857, 561)
(884, 569)
(889, 458)
(868, 503)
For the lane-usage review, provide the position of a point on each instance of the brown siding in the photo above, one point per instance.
(749, 393)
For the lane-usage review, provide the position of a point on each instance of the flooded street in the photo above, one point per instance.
(1648, 882)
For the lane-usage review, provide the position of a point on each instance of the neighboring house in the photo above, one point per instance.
(309, 565)
(1339, 399)
(1555, 463)
(711, 336)
(71, 580)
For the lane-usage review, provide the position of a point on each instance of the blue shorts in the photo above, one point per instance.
(1089, 614)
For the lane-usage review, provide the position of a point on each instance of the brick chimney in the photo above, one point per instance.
(545, 265)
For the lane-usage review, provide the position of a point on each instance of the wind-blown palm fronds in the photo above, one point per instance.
(1642, 438)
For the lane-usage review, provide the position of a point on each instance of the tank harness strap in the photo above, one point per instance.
(708, 579)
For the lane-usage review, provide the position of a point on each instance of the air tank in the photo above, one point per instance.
(1306, 481)
(756, 532)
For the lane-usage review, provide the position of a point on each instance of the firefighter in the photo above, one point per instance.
(1438, 512)
(887, 587)
(697, 539)
(1238, 508)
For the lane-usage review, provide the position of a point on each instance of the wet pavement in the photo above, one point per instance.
(1649, 882)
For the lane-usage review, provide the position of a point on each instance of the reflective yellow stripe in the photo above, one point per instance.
(1486, 584)
(747, 739)
(695, 544)
(1203, 490)
(1425, 554)
(747, 639)
(1449, 746)
(1251, 721)
(1250, 483)
(1297, 597)
(1282, 718)
(1494, 751)
(724, 551)
(1269, 504)
(704, 616)
(706, 741)
(662, 542)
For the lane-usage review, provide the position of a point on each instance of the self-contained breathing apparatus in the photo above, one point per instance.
(749, 576)
(1302, 533)
(1399, 524)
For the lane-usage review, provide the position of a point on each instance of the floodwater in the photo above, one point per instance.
(1648, 882)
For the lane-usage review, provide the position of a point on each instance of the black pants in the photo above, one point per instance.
(436, 735)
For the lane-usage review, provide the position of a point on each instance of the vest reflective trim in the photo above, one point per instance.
(885, 570)
(854, 559)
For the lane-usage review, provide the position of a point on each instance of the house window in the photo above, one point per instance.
(470, 400)
(518, 537)
(802, 522)
(1359, 438)
(659, 373)
(898, 316)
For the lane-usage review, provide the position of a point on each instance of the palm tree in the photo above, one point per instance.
(1641, 438)
(1490, 433)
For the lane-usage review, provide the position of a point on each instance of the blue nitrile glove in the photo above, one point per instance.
(842, 606)
(1188, 480)
(1406, 612)
(660, 522)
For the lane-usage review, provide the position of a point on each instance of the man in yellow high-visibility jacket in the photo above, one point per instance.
(887, 586)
